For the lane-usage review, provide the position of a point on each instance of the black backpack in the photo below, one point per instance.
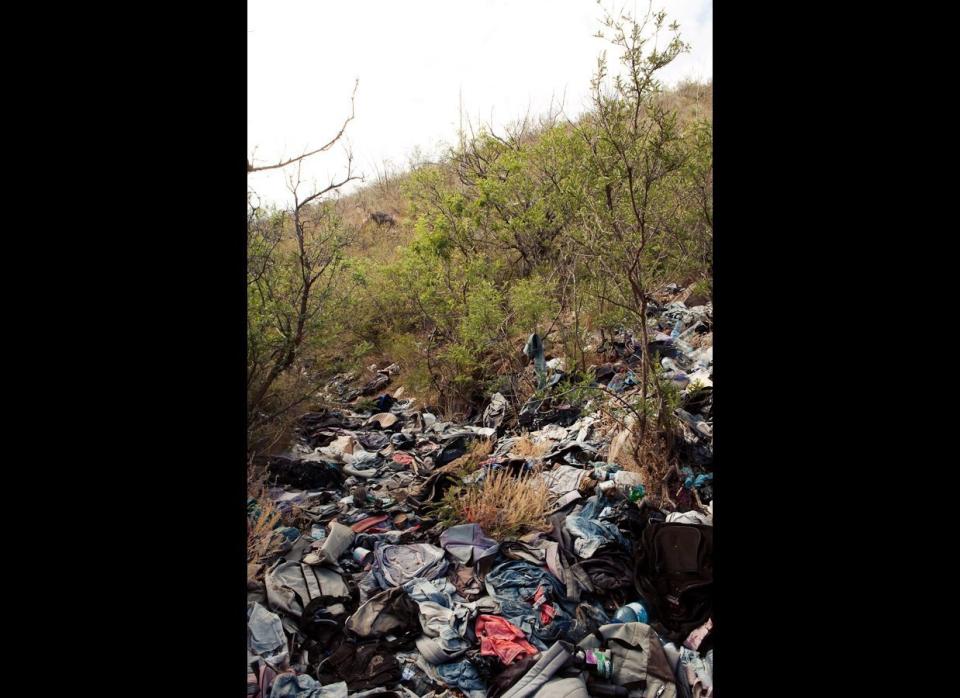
(324, 617)
(674, 573)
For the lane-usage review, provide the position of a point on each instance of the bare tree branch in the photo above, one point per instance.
(284, 163)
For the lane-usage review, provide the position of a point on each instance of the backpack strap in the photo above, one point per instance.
(265, 679)
(624, 643)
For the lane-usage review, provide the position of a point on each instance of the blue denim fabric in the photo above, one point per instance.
(438, 591)
(590, 532)
(265, 636)
(304, 686)
(514, 584)
(462, 675)
(395, 565)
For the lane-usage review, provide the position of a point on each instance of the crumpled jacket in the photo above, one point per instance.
(468, 543)
(462, 675)
(540, 673)
(395, 565)
(590, 532)
(265, 636)
(446, 624)
(637, 658)
(438, 624)
(609, 570)
(363, 667)
(564, 478)
(390, 612)
(563, 688)
(538, 551)
(514, 584)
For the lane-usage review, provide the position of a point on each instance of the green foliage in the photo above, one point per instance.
(704, 287)
(447, 510)
(365, 404)
(669, 389)
(484, 315)
(297, 272)
(533, 302)
(581, 389)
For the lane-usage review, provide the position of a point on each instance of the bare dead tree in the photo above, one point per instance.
(322, 149)
(319, 244)
(295, 257)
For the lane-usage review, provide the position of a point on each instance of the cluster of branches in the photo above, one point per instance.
(295, 263)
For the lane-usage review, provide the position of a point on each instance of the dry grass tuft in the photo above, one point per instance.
(627, 460)
(469, 461)
(260, 540)
(525, 447)
(261, 544)
(645, 457)
(505, 505)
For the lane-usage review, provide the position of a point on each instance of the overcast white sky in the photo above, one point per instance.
(413, 58)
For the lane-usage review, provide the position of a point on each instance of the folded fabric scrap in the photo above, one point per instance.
(500, 637)
(395, 565)
(468, 543)
(304, 686)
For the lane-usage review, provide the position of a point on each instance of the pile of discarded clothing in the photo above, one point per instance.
(371, 595)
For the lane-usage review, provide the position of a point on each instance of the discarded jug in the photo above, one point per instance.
(634, 612)
(606, 487)
(604, 471)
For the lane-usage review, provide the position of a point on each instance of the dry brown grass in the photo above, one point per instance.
(645, 457)
(525, 447)
(259, 532)
(470, 461)
(260, 541)
(505, 505)
(377, 243)
(693, 100)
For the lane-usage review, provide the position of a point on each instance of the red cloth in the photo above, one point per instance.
(500, 637)
(547, 611)
(368, 522)
(402, 458)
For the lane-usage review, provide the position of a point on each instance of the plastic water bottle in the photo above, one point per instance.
(634, 612)
(597, 661)
(604, 665)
